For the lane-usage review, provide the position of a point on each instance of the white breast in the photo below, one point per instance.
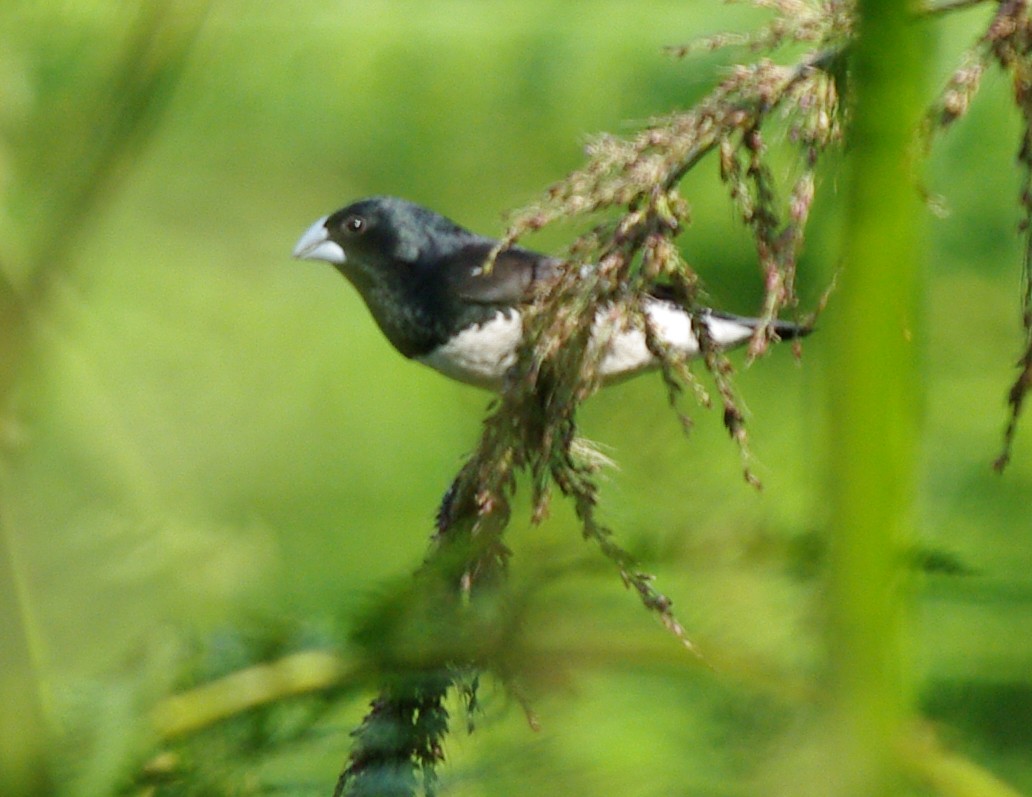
(481, 354)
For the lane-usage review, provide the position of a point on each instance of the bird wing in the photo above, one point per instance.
(518, 272)
(510, 281)
(515, 275)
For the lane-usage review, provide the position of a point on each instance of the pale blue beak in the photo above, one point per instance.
(315, 244)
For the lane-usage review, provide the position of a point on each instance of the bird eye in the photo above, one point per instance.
(354, 224)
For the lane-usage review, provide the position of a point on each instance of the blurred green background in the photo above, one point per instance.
(208, 437)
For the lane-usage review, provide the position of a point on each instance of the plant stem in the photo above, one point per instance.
(875, 404)
(24, 732)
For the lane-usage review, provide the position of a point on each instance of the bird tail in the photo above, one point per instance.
(785, 330)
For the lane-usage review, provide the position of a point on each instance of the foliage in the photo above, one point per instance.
(69, 181)
(533, 426)
(1005, 43)
(769, 126)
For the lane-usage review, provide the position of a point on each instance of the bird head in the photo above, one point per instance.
(370, 238)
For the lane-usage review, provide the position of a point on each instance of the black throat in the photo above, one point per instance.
(415, 313)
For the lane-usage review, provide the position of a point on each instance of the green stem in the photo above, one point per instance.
(24, 769)
(875, 402)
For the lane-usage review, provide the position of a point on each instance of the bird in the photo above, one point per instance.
(426, 283)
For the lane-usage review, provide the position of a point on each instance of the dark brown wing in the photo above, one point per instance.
(509, 283)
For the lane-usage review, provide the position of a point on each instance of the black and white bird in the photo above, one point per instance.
(422, 277)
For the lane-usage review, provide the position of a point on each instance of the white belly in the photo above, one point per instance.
(481, 355)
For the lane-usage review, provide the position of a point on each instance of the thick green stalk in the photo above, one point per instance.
(70, 182)
(24, 758)
(875, 399)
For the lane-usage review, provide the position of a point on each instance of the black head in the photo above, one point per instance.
(381, 233)
(397, 254)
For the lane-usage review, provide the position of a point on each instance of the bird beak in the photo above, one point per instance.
(315, 244)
